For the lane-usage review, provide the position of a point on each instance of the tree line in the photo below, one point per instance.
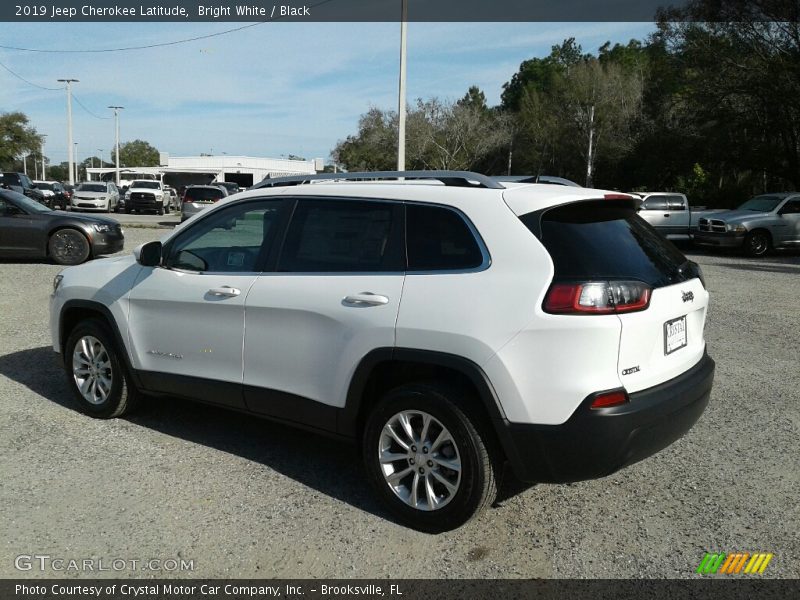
(19, 138)
(708, 105)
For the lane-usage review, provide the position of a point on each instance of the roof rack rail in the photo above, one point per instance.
(451, 178)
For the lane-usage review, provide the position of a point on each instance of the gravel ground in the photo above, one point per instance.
(247, 498)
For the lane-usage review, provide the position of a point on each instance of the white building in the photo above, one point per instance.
(178, 171)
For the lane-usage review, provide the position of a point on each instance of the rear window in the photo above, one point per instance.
(606, 239)
(211, 193)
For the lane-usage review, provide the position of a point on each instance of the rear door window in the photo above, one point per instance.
(344, 236)
(439, 239)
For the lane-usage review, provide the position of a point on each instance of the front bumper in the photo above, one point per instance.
(596, 443)
(108, 243)
(84, 204)
(721, 240)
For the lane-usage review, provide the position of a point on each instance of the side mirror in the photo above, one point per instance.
(149, 254)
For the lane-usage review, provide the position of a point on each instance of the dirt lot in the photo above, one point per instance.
(246, 498)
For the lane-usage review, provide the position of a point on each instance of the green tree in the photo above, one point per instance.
(17, 137)
(137, 153)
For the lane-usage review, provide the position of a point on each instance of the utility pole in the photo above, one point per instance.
(44, 160)
(25, 163)
(116, 143)
(591, 149)
(102, 162)
(401, 101)
(69, 83)
(76, 163)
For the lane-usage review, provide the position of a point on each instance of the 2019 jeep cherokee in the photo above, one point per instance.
(447, 328)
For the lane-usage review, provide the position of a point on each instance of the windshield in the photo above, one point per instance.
(23, 202)
(152, 185)
(762, 203)
(43, 185)
(91, 187)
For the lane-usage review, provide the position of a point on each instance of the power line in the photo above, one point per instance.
(126, 48)
(83, 106)
(21, 78)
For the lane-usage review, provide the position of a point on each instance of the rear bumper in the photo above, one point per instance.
(596, 443)
(722, 240)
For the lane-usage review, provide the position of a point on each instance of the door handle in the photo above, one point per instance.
(366, 298)
(225, 290)
(666, 215)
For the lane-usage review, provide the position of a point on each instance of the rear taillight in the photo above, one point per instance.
(608, 399)
(186, 198)
(597, 297)
(617, 197)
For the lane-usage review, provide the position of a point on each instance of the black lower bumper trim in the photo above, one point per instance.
(596, 443)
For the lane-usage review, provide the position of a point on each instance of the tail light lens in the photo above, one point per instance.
(608, 399)
(597, 297)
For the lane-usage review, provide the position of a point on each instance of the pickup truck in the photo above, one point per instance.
(757, 226)
(671, 214)
(146, 195)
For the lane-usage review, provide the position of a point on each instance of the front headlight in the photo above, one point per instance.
(127, 195)
(102, 227)
(736, 228)
(57, 282)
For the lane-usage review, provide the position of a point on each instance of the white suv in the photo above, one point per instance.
(448, 323)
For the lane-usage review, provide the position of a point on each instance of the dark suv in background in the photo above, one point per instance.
(19, 182)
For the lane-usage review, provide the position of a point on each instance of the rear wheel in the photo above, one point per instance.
(757, 243)
(68, 247)
(95, 372)
(426, 458)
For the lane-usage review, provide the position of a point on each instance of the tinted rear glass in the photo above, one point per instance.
(342, 236)
(205, 193)
(92, 187)
(439, 240)
(605, 239)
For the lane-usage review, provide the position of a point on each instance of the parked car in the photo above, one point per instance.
(757, 226)
(231, 187)
(147, 195)
(671, 214)
(19, 182)
(55, 194)
(95, 195)
(200, 197)
(174, 199)
(31, 230)
(448, 328)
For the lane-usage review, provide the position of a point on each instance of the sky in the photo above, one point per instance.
(270, 91)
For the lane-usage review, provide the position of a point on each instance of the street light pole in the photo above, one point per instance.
(401, 101)
(69, 83)
(76, 162)
(116, 142)
(44, 161)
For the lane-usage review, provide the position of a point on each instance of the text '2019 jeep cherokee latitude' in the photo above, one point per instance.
(447, 328)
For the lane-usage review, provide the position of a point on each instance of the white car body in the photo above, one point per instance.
(298, 334)
(89, 196)
(147, 194)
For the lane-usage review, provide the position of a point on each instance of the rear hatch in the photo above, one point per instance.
(609, 260)
(203, 196)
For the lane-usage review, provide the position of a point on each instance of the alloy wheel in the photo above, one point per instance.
(91, 369)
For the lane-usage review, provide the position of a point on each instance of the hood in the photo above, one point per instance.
(85, 218)
(737, 216)
(82, 194)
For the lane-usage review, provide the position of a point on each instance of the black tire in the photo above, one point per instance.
(471, 443)
(68, 247)
(122, 397)
(128, 210)
(166, 208)
(757, 243)
(160, 210)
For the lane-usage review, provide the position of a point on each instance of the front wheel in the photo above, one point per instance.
(427, 460)
(166, 208)
(757, 243)
(161, 210)
(68, 247)
(95, 372)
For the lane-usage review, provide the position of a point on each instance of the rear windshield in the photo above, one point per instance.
(205, 193)
(606, 239)
(42, 185)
